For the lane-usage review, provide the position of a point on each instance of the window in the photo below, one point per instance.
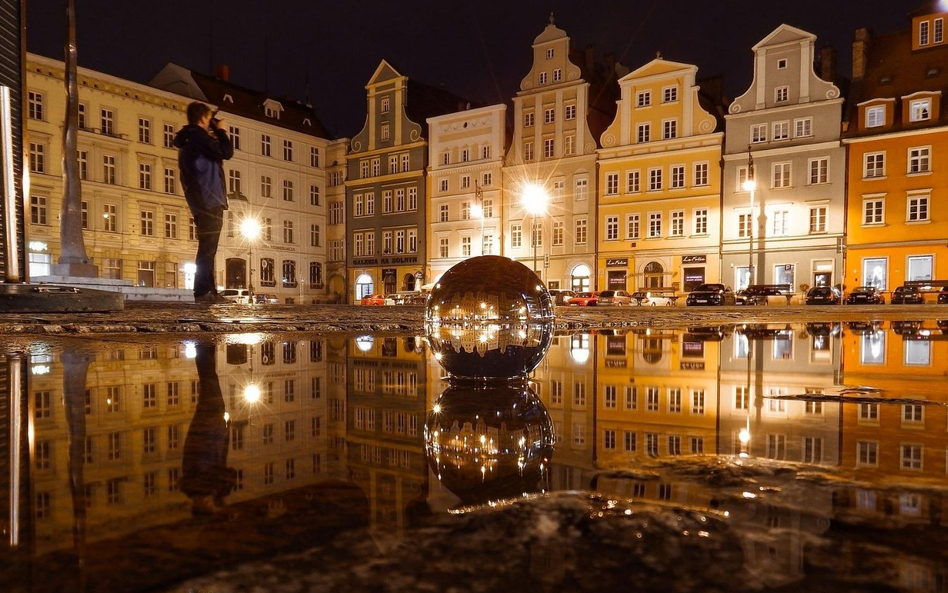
(289, 273)
(528, 119)
(385, 132)
(265, 144)
(655, 225)
(669, 129)
(549, 116)
(939, 30)
(632, 226)
(655, 179)
(781, 175)
(169, 181)
(701, 174)
(83, 165)
(873, 211)
(465, 247)
(758, 133)
(677, 176)
(875, 116)
(234, 136)
(570, 112)
(582, 189)
(38, 210)
(558, 233)
(171, 226)
(612, 228)
(314, 195)
(911, 457)
(443, 247)
(84, 214)
(548, 148)
(485, 150)
(781, 94)
(781, 224)
(144, 130)
(697, 401)
(543, 78)
(632, 184)
(442, 185)
(288, 191)
(37, 158)
(233, 182)
(465, 210)
(643, 99)
(874, 272)
(868, 453)
(920, 110)
(487, 179)
(569, 144)
(643, 133)
(923, 37)
(384, 104)
(580, 231)
(549, 53)
(917, 209)
(781, 130)
(168, 134)
(819, 170)
(516, 235)
(669, 94)
(107, 119)
(919, 160)
(144, 176)
(109, 218)
(443, 213)
(487, 246)
(818, 220)
(376, 167)
(148, 223)
(917, 353)
(803, 127)
(537, 235)
(744, 222)
(874, 165)
(812, 450)
(35, 105)
(288, 231)
(314, 237)
(612, 184)
(528, 151)
(677, 223)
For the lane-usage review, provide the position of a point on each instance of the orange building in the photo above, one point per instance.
(897, 139)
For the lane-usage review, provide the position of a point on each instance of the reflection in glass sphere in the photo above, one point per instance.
(489, 317)
(489, 443)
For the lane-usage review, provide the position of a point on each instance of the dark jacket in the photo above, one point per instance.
(200, 158)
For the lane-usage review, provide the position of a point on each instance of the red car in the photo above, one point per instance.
(373, 300)
(585, 299)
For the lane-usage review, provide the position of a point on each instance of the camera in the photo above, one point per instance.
(215, 121)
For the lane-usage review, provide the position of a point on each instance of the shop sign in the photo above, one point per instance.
(694, 259)
(615, 263)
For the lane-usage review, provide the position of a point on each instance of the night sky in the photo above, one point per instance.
(478, 49)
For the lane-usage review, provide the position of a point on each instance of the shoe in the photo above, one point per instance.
(210, 298)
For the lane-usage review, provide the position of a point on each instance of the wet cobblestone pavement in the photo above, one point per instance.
(191, 318)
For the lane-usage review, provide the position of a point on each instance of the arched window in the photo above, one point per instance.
(364, 286)
(579, 278)
(654, 275)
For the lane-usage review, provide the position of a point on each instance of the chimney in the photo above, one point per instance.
(222, 73)
(828, 63)
(860, 52)
(589, 57)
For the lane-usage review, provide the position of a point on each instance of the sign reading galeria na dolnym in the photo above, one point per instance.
(694, 259)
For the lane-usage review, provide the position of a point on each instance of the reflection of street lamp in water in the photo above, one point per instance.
(534, 199)
(250, 230)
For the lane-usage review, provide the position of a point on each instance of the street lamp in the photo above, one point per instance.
(250, 230)
(534, 199)
(750, 185)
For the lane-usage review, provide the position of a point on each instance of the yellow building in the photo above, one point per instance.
(660, 184)
(137, 226)
(897, 135)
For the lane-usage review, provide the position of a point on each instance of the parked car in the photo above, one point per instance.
(907, 295)
(711, 294)
(407, 297)
(943, 295)
(373, 300)
(237, 295)
(767, 294)
(584, 299)
(822, 295)
(265, 299)
(653, 299)
(561, 296)
(745, 296)
(865, 295)
(619, 298)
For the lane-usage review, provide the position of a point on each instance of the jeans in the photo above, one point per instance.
(209, 224)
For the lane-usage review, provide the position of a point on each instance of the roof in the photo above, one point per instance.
(249, 103)
(893, 71)
(426, 101)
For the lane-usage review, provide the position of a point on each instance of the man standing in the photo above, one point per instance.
(203, 147)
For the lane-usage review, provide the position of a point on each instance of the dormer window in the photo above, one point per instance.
(920, 110)
(272, 108)
(549, 54)
(923, 33)
(875, 116)
(271, 112)
(228, 98)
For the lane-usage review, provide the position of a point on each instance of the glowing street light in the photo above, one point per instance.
(535, 200)
(750, 185)
(252, 393)
(250, 229)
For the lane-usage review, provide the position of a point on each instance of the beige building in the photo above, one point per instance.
(465, 156)
(554, 147)
(278, 177)
(137, 224)
(336, 223)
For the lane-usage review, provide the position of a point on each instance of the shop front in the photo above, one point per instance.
(617, 274)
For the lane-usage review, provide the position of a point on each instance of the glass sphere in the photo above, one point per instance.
(489, 442)
(489, 317)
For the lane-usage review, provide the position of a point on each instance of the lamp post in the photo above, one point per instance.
(534, 199)
(250, 230)
(750, 185)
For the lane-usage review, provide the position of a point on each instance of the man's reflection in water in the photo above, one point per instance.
(206, 479)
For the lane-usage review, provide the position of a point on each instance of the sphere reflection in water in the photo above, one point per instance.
(489, 443)
(489, 317)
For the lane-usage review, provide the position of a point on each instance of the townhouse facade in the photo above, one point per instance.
(466, 156)
(659, 184)
(553, 148)
(336, 213)
(896, 132)
(784, 135)
(277, 178)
